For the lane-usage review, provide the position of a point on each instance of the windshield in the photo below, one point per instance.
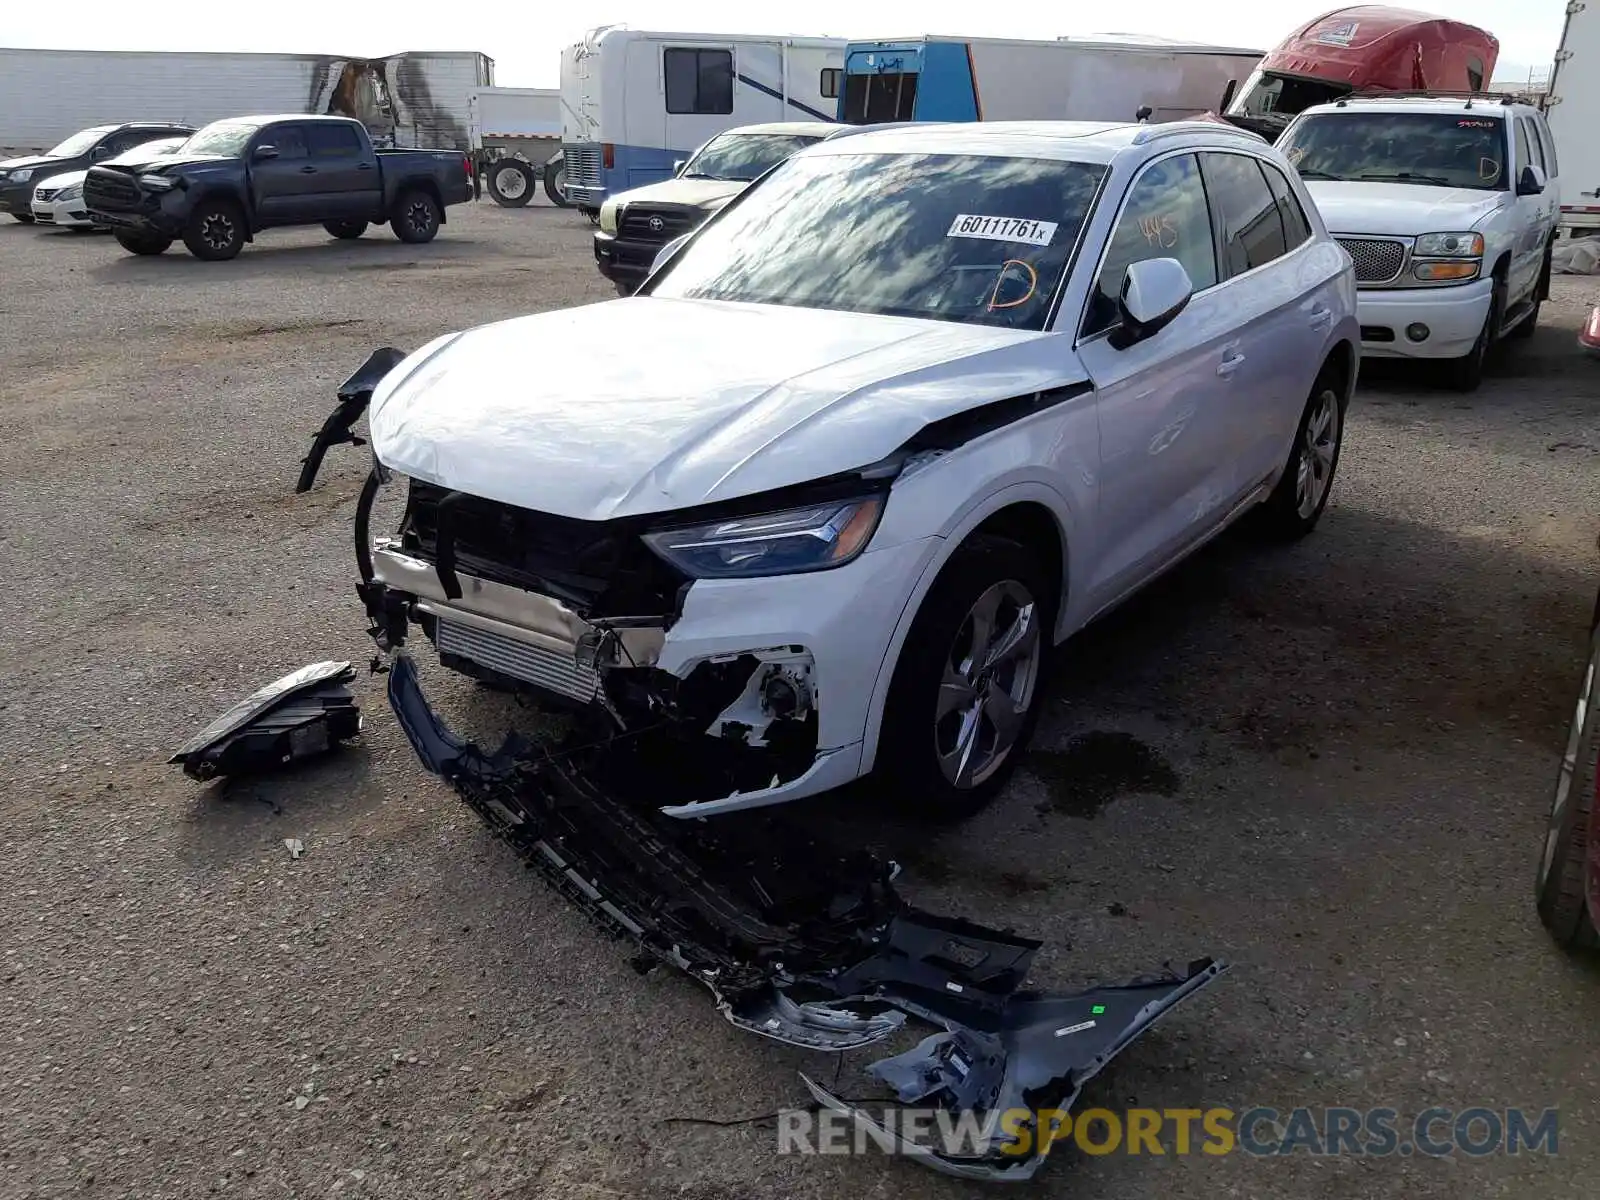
(945, 236)
(225, 138)
(146, 151)
(1458, 149)
(744, 156)
(1267, 94)
(80, 143)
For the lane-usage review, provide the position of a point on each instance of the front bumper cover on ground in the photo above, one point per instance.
(799, 943)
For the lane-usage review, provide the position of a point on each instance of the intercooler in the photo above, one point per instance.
(543, 667)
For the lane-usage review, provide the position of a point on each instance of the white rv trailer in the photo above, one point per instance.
(516, 140)
(634, 101)
(1572, 109)
(1103, 77)
(414, 99)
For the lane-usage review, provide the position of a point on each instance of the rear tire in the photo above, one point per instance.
(948, 663)
(134, 243)
(1563, 880)
(216, 231)
(555, 180)
(346, 231)
(416, 217)
(1301, 495)
(511, 182)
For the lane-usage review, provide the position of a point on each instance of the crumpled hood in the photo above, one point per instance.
(692, 193)
(168, 162)
(645, 405)
(1399, 209)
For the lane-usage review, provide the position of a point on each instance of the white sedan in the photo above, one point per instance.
(819, 500)
(58, 200)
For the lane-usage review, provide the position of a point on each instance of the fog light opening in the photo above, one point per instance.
(1417, 331)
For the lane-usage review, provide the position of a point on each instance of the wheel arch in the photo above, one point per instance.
(1031, 513)
(422, 183)
(1342, 358)
(230, 195)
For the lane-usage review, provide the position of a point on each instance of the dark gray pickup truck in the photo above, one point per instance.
(239, 176)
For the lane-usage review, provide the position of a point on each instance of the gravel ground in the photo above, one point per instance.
(1328, 763)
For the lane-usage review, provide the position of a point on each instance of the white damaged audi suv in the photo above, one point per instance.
(818, 501)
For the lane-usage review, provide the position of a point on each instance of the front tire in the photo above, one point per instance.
(1297, 502)
(135, 243)
(1563, 880)
(969, 682)
(1465, 374)
(416, 218)
(346, 231)
(216, 231)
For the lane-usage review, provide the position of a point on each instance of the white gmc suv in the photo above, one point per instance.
(1448, 207)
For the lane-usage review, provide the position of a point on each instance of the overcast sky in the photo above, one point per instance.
(525, 42)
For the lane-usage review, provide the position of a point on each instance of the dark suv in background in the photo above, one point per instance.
(79, 152)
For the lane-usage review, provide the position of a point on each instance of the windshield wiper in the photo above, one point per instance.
(1312, 174)
(700, 175)
(1408, 177)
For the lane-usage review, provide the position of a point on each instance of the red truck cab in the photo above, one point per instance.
(1361, 49)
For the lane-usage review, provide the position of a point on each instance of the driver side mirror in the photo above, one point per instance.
(1532, 180)
(1227, 95)
(678, 166)
(1154, 292)
(263, 153)
(100, 152)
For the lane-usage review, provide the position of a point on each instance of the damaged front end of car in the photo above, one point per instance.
(796, 940)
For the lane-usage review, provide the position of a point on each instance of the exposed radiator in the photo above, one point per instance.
(543, 668)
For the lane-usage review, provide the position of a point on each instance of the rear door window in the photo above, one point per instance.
(1549, 145)
(333, 141)
(1296, 225)
(1249, 227)
(1525, 151)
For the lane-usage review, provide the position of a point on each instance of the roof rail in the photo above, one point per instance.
(1151, 133)
(1430, 94)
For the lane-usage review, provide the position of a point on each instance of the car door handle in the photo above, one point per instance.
(1321, 317)
(363, 166)
(1230, 364)
(308, 170)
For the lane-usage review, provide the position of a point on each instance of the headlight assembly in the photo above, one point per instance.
(158, 183)
(608, 216)
(21, 176)
(1449, 245)
(71, 193)
(817, 537)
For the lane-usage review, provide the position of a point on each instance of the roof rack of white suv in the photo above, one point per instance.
(1431, 94)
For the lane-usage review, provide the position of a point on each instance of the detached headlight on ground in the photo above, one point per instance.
(814, 538)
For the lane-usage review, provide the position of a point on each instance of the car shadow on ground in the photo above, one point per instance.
(1240, 651)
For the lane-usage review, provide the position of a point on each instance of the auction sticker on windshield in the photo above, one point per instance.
(1002, 229)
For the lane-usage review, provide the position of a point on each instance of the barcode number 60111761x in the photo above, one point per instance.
(1002, 229)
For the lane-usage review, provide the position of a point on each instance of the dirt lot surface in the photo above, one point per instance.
(1329, 764)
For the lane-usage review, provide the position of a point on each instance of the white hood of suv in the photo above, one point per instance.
(646, 405)
(1400, 209)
